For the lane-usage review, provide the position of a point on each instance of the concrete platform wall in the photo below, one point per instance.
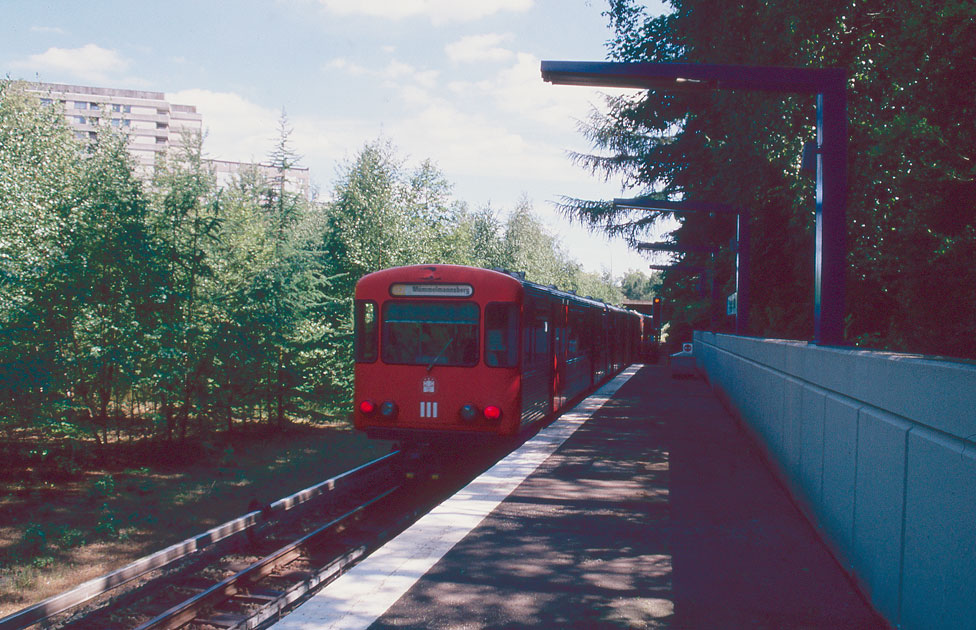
(880, 450)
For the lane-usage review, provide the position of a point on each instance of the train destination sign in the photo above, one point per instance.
(431, 290)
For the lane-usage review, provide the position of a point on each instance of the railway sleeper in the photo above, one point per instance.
(223, 620)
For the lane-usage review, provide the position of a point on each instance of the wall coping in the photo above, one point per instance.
(938, 393)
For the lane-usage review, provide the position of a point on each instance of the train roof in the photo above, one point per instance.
(435, 272)
(458, 272)
(553, 290)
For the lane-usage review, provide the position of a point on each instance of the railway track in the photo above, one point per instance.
(247, 573)
(173, 587)
(269, 584)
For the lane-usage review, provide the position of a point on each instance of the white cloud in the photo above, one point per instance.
(437, 11)
(478, 48)
(399, 72)
(56, 30)
(474, 145)
(237, 129)
(89, 63)
(519, 91)
(505, 126)
(350, 67)
(409, 80)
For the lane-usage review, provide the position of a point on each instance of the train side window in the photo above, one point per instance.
(577, 338)
(501, 334)
(541, 337)
(365, 331)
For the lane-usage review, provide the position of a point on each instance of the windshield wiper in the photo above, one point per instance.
(439, 354)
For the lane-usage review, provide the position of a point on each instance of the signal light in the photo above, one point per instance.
(367, 407)
(492, 413)
(389, 410)
(468, 413)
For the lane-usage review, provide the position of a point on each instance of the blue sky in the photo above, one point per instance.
(455, 81)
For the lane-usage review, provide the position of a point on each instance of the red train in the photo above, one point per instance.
(443, 350)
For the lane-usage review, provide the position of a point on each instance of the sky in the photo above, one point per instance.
(453, 81)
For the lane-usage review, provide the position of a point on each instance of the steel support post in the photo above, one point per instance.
(831, 241)
(742, 273)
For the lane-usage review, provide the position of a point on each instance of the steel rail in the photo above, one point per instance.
(186, 611)
(223, 533)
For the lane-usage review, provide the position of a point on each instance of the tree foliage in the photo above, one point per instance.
(636, 285)
(175, 308)
(912, 198)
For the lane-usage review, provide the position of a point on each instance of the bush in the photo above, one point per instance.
(34, 540)
(103, 488)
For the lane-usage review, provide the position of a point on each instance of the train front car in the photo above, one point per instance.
(437, 353)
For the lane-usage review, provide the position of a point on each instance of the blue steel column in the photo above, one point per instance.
(831, 240)
(742, 273)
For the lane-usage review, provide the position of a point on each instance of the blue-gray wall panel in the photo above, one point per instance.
(812, 443)
(839, 472)
(882, 447)
(792, 427)
(879, 508)
(940, 533)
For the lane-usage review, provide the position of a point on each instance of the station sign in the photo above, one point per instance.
(402, 289)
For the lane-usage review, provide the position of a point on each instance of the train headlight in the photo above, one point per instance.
(468, 413)
(389, 410)
(492, 413)
(367, 407)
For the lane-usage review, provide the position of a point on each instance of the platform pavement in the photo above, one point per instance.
(644, 507)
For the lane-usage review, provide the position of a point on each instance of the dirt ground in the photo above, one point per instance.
(57, 534)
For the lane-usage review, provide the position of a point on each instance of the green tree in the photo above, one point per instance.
(100, 294)
(39, 171)
(291, 288)
(636, 285)
(367, 224)
(239, 257)
(482, 232)
(185, 224)
(74, 322)
(528, 247)
(598, 286)
(912, 204)
(434, 218)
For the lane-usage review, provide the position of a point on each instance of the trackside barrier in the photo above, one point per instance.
(880, 450)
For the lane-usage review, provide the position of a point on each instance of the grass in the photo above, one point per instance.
(55, 535)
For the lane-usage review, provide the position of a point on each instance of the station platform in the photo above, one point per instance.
(646, 506)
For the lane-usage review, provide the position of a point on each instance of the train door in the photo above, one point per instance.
(536, 358)
(597, 343)
(558, 321)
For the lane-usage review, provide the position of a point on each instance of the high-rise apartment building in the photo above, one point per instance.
(153, 124)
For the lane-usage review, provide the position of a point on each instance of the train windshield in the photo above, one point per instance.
(430, 333)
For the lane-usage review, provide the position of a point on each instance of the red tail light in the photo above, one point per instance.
(492, 413)
(367, 407)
